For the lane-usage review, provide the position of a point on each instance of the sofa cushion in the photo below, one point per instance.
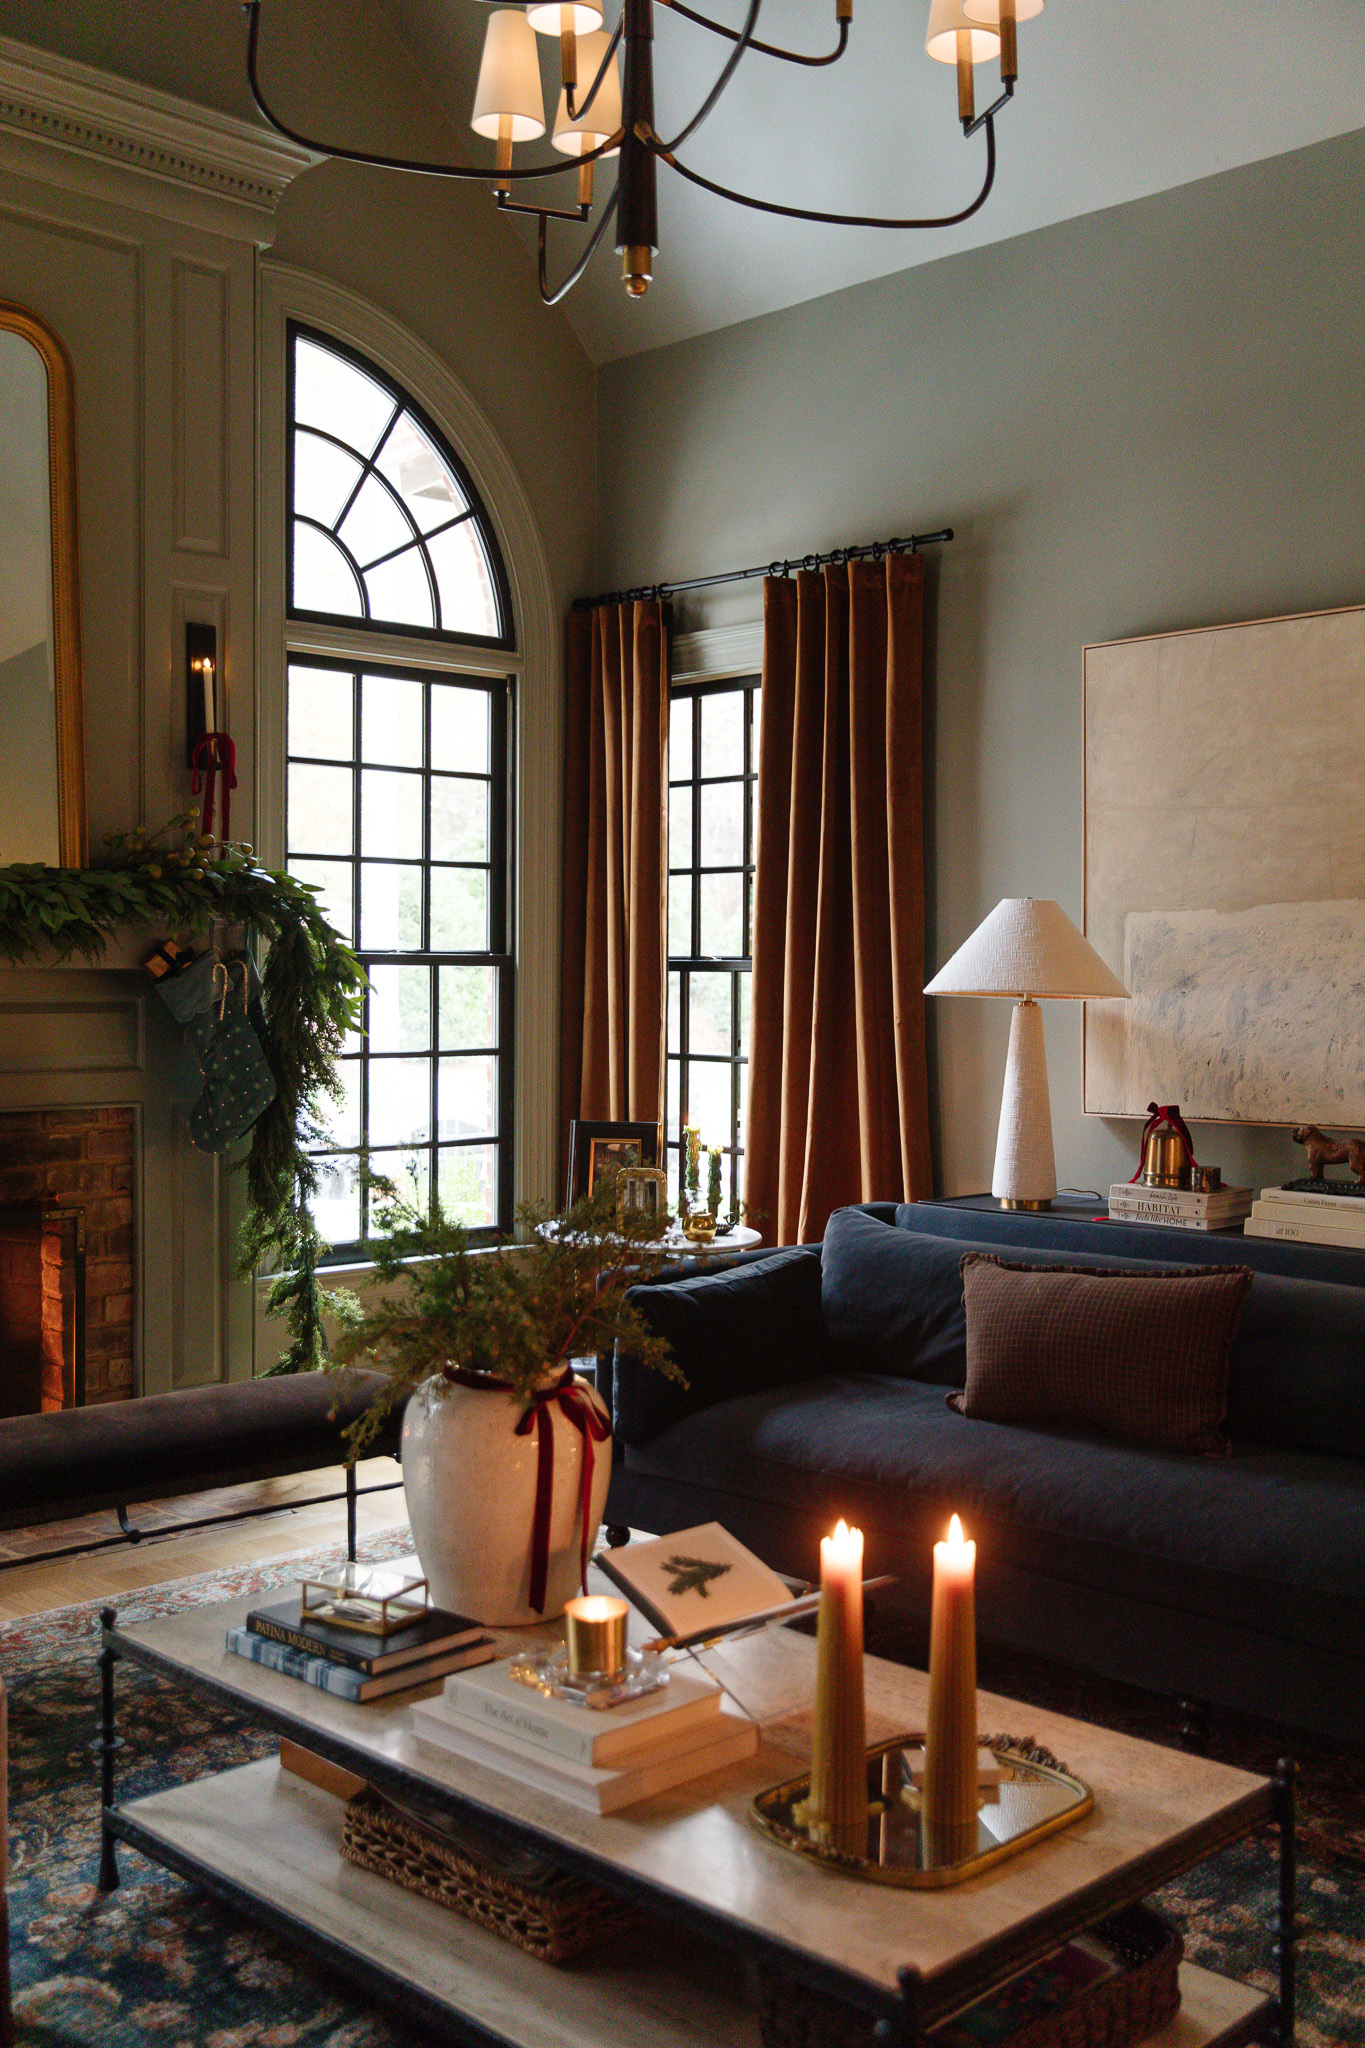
(1139, 1356)
(1269, 1540)
(736, 1331)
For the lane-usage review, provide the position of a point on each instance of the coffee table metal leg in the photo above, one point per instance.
(1285, 1773)
(107, 1742)
(906, 2030)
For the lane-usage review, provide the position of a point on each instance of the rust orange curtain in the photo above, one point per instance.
(838, 1090)
(612, 1033)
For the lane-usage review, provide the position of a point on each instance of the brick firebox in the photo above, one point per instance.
(83, 1158)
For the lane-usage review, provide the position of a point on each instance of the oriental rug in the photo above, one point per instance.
(159, 1965)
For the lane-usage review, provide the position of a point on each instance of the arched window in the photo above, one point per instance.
(397, 789)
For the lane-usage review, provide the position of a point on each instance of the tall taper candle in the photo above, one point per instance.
(950, 1789)
(837, 1806)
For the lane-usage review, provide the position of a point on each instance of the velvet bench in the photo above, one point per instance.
(76, 1461)
(818, 1383)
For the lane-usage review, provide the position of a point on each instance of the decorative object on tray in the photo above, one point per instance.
(518, 1894)
(1328, 1212)
(432, 1634)
(1324, 1151)
(506, 1452)
(368, 1598)
(1027, 947)
(835, 1811)
(951, 1786)
(1112, 1987)
(899, 1846)
(1189, 1208)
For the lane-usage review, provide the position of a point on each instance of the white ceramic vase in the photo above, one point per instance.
(470, 1483)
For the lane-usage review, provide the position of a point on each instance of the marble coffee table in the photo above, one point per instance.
(267, 1842)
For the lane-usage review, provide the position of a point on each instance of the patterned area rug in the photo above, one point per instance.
(158, 1965)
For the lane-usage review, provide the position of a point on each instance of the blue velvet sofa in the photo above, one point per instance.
(818, 1383)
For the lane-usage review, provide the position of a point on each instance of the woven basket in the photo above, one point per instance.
(1117, 2012)
(523, 1897)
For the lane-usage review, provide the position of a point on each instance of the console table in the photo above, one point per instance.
(267, 1843)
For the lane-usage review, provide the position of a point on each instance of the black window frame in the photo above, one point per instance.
(692, 695)
(477, 516)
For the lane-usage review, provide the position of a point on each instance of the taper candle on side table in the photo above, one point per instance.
(950, 1775)
(837, 1805)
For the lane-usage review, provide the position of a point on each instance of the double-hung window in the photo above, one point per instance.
(712, 786)
(398, 785)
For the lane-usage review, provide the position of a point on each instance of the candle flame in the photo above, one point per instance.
(841, 1530)
(955, 1533)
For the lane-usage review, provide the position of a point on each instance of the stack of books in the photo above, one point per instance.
(1327, 1215)
(599, 1760)
(353, 1664)
(1181, 1208)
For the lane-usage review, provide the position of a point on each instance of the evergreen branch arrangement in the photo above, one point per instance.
(511, 1314)
(312, 985)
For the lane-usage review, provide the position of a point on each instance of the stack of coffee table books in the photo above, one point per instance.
(354, 1664)
(599, 1760)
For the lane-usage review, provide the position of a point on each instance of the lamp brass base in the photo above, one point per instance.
(1009, 1202)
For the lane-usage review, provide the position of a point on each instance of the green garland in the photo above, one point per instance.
(312, 985)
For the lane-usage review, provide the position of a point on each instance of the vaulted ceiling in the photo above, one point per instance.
(1117, 99)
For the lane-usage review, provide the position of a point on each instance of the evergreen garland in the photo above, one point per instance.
(312, 984)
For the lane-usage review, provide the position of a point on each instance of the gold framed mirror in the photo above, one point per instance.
(42, 699)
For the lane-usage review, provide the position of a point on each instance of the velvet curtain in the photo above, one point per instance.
(614, 975)
(838, 1089)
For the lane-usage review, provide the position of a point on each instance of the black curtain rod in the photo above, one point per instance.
(874, 551)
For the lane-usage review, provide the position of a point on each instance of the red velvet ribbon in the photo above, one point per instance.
(585, 1409)
(1160, 1113)
(215, 755)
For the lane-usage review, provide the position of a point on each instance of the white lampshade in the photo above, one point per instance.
(551, 18)
(946, 17)
(989, 10)
(509, 80)
(1028, 946)
(603, 117)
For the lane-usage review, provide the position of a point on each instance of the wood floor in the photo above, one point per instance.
(33, 1588)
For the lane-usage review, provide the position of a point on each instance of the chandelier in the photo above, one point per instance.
(614, 115)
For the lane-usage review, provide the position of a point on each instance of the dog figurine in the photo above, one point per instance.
(1324, 1151)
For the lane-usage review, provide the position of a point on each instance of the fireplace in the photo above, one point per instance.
(66, 1258)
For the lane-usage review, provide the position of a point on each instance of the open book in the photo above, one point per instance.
(696, 1583)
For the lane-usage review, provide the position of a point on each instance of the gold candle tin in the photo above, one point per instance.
(595, 1636)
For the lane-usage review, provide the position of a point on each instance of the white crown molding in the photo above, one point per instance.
(88, 121)
(717, 651)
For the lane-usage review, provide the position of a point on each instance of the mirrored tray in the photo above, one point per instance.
(1035, 1796)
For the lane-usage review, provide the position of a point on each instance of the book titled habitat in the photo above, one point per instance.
(698, 1578)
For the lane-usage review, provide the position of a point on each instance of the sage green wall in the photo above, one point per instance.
(1150, 418)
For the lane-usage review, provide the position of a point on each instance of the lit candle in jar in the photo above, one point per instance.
(950, 1787)
(595, 1636)
(837, 1804)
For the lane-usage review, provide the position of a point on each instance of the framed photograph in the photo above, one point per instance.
(642, 1193)
(599, 1152)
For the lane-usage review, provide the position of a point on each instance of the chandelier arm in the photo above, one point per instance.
(839, 220)
(401, 163)
(728, 70)
(578, 108)
(550, 298)
(768, 49)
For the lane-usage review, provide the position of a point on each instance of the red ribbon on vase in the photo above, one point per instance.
(1159, 1113)
(214, 756)
(586, 1410)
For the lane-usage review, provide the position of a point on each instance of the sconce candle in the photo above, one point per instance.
(837, 1805)
(950, 1787)
(595, 1636)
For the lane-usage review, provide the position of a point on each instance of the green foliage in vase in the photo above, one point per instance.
(509, 1313)
(183, 882)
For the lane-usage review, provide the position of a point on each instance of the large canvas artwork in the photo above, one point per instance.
(1225, 870)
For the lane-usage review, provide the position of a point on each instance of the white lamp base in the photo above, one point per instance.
(1025, 1175)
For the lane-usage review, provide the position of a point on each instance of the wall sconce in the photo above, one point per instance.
(201, 686)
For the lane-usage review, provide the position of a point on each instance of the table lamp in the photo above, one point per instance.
(1028, 947)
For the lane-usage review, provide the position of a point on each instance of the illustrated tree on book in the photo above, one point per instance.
(692, 1575)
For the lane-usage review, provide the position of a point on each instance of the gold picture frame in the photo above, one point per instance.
(642, 1192)
(67, 675)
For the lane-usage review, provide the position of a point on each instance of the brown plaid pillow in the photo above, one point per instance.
(1143, 1356)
